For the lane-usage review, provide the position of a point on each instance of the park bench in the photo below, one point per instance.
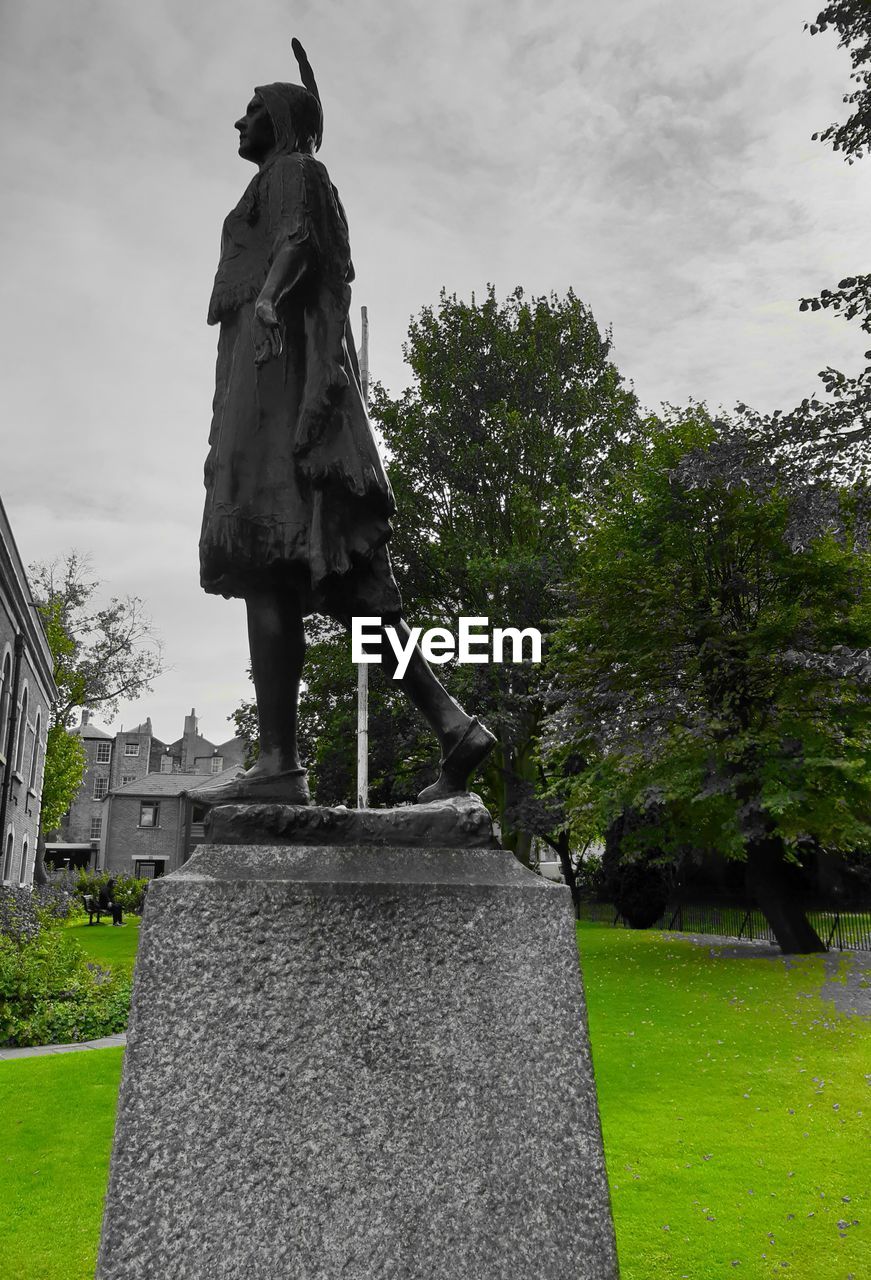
(93, 908)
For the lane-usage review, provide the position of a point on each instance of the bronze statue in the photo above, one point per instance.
(298, 505)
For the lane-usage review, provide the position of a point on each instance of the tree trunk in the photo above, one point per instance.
(513, 767)
(772, 882)
(520, 844)
(39, 873)
(563, 852)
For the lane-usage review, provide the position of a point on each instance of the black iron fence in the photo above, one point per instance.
(839, 929)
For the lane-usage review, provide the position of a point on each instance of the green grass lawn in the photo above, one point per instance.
(732, 1098)
(58, 1115)
(110, 947)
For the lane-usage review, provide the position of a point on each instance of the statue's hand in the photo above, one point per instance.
(266, 330)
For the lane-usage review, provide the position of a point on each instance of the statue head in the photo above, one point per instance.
(283, 118)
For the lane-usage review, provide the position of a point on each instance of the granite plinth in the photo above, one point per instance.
(460, 821)
(357, 1062)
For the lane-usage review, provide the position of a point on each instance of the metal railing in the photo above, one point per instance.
(839, 929)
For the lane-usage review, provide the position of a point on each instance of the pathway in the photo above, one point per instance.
(39, 1050)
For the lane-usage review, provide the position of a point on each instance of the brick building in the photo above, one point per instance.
(152, 825)
(192, 753)
(110, 762)
(27, 692)
(136, 768)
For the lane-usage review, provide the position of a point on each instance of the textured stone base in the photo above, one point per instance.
(461, 820)
(357, 1063)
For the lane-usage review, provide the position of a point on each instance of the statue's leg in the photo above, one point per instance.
(464, 741)
(277, 640)
(276, 636)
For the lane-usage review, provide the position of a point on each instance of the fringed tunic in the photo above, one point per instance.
(296, 493)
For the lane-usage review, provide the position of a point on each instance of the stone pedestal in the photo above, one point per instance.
(351, 1061)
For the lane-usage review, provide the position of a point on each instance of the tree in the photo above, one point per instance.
(107, 653)
(851, 19)
(830, 435)
(827, 435)
(715, 673)
(65, 757)
(65, 762)
(101, 655)
(514, 408)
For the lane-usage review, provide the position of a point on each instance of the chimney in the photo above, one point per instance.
(86, 715)
(189, 742)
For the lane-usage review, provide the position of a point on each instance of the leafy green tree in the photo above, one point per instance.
(65, 762)
(101, 655)
(65, 757)
(715, 671)
(514, 408)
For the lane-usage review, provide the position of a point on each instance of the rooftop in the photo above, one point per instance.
(174, 784)
(88, 730)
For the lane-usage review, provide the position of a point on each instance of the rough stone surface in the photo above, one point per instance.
(461, 820)
(357, 1063)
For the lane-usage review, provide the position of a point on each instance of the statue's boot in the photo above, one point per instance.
(459, 763)
(289, 786)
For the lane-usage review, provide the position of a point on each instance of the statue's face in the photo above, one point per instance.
(256, 135)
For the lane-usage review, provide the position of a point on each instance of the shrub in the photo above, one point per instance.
(100, 1009)
(632, 875)
(640, 893)
(57, 898)
(49, 992)
(19, 918)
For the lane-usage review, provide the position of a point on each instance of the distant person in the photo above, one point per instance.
(105, 896)
(107, 901)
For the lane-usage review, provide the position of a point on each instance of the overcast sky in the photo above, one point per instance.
(653, 155)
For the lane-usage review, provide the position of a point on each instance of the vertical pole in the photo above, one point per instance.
(364, 354)
(362, 735)
(363, 667)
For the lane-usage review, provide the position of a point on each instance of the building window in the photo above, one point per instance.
(96, 827)
(22, 874)
(22, 732)
(104, 752)
(131, 748)
(5, 699)
(149, 813)
(217, 764)
(101, 786)
(34, 759)
(7, 861)
(127, 777)
(166, 764)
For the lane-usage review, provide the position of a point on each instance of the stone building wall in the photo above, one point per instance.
(26, 693)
